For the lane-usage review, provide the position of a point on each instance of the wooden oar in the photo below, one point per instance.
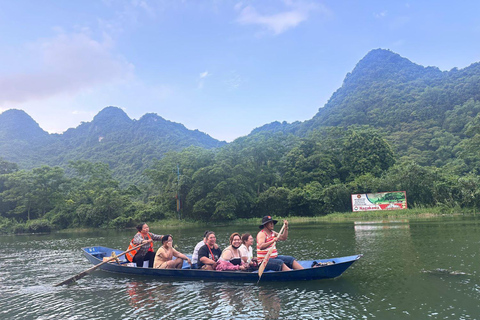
(262, 266)
(84, 273)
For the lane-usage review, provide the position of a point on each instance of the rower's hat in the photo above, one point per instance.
(266, 220)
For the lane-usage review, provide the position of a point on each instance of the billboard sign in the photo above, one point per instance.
(379, 201)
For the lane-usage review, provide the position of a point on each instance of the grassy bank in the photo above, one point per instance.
(417, 213)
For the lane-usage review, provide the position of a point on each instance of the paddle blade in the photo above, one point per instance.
(260, 270)
(84, 273)
(72, 279)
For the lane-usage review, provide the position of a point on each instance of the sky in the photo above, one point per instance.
(223, 67)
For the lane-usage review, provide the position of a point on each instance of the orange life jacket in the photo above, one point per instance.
(132, 253)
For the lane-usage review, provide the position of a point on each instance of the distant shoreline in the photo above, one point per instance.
(423, 213)
(337, 217)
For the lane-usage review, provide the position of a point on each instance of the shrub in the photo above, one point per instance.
(39, 225)
(122, 223)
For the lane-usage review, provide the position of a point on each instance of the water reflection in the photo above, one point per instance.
(271, 303)
(140, 296)
(184, 300)
(387, 283)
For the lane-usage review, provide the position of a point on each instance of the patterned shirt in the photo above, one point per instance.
(138, 238)
(262, 253)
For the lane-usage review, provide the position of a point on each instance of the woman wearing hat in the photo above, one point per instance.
(267, 238)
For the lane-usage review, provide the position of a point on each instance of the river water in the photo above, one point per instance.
(410, 270)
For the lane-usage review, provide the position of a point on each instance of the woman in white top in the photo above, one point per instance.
(246, 250)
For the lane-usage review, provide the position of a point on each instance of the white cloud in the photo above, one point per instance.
(276, 22)
(145, 6)
(380, 15)
(234, 81)
(66, 63)
(202, 76)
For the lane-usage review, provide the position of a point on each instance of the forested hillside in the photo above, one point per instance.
(393, 125)
(429, 116)
(127, 146)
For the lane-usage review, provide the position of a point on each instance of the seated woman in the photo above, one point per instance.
(145, 252)
(231, 258)
(197, 248)
(246, 251)
(209, 253)
(165, 254)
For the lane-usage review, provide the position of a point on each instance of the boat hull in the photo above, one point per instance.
(95, 256)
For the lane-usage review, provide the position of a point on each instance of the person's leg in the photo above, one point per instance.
(285, 268)
(175, 264)
(276, 265)
(150, 256)
(296, 265)
(290, 262)
(178, 263)
(138, 261)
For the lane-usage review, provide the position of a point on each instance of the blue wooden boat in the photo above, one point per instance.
(96, 254)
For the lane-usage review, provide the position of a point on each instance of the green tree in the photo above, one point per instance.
(7, 167)
(19, 195)
(417, 181)
(365, 151)
(274, 202)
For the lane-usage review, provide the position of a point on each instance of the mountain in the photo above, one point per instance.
(381, 81)
(128, 146)
(423, 112)
(18, 125)
(21, 138)
(427, 115)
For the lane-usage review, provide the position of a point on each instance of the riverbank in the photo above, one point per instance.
(417, 213)
(337, 217)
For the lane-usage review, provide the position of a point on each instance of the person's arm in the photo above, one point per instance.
(262, 245)
(243, 253)
(284, 235)
(138, 239)
(208, 261)
(227, 254)
(203, 257)
(155, 237)
(181, 256)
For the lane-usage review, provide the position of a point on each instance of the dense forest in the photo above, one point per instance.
(427, 115)
(392, 126)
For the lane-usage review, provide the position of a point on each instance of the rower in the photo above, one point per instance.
(266, 239)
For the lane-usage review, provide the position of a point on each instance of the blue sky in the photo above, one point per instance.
(223, 67)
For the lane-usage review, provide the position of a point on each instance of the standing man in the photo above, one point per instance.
(145, 252)
(266, 239)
